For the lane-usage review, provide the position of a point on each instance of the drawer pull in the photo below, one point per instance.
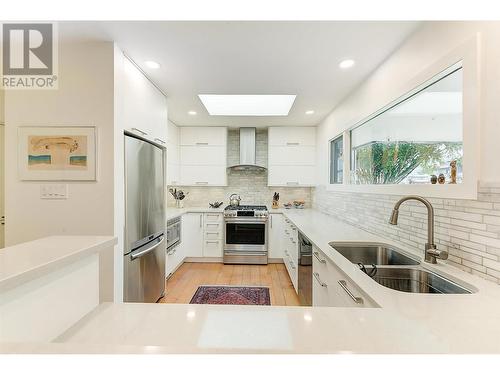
(292, 143)
(343, 284)
(316, 276)
(316, 255)
(201, 182)
(201, 143)
(292, 183)
(212, 241)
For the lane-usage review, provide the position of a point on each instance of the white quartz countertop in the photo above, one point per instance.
(404, 323)
(23, 262)
(173, 212)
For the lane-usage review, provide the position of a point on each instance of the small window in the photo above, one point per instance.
(337, 160)
(415, 141)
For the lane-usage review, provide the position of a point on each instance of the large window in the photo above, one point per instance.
(337, 160)
(414, 140)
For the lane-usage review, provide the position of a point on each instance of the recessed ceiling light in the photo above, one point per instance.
(152, 64)
(310, 112)
(345, 64)
(192, 113)
(248, 105)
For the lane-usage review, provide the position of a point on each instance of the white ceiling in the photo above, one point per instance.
(252, 58)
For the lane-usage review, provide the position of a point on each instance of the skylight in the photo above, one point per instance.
(248, 105)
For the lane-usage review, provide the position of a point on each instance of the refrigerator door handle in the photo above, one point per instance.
(147, 250)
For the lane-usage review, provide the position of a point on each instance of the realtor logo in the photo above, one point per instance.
(29, 56)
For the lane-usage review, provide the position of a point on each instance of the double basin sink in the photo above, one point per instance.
(396, 270)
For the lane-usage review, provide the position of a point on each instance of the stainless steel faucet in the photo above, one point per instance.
(431, 251)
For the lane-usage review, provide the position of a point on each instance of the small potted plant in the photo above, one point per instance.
(179, 196)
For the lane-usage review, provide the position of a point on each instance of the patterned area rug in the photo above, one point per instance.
(231, 295)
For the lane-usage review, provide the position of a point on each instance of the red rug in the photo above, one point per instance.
(231, 295)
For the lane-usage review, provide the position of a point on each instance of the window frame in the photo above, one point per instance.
(465, 55)
(332, 171)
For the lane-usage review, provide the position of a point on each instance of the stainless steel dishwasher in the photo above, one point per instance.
(305, 271)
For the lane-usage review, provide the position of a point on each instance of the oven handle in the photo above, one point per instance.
(250, 221)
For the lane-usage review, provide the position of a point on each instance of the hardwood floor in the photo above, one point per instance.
(183, 283)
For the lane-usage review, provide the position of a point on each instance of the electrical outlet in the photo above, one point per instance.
(54, 191)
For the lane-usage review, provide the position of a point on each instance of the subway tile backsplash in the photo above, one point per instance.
(468, 229)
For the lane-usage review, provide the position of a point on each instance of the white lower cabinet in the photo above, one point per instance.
(175, 257)
(332, 287)
(192, 234)
(202, 234)
(275, 236)
(291, 251)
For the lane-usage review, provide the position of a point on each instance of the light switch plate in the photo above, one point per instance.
(54, 191)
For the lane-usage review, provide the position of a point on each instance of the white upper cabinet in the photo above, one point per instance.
(292, 136)
(292, 156)
(203, 156)
(203, 136)
(144, 106)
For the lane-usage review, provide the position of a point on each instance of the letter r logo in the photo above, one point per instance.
(27, 49)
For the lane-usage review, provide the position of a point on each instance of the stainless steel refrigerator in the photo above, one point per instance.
(144, 249)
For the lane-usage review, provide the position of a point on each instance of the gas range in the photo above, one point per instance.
(245, 234)
(246, 211)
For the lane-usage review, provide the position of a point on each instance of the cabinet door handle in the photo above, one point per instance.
(139, 131)
(343, 284)
(316, 276)
(201, 143)
(316, 255)
(292, 143)
(271, 221)
(201, 220)
(201, 182)
(160, 141)
(292, 183)
(212, 241)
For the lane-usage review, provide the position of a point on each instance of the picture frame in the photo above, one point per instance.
(57, 153)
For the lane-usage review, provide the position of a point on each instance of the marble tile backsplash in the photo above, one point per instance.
(250, 185)
(468, 229)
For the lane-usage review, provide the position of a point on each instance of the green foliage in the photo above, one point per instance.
(392, 162)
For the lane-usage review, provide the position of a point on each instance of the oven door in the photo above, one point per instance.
(173, 235)
(245, 240)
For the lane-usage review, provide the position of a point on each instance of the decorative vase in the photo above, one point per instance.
(453, 172)
(179, 203)
(441, 178)
(434, 179)
(276, 204)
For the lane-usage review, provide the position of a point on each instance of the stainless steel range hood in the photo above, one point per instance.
(247, 152)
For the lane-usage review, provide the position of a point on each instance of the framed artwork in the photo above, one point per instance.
(57, 153)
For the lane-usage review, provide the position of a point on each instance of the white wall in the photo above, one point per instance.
(84, 97)
(387, 83)
(137, 103)
(2, 115)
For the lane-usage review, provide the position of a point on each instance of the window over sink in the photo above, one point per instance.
(417, 140)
